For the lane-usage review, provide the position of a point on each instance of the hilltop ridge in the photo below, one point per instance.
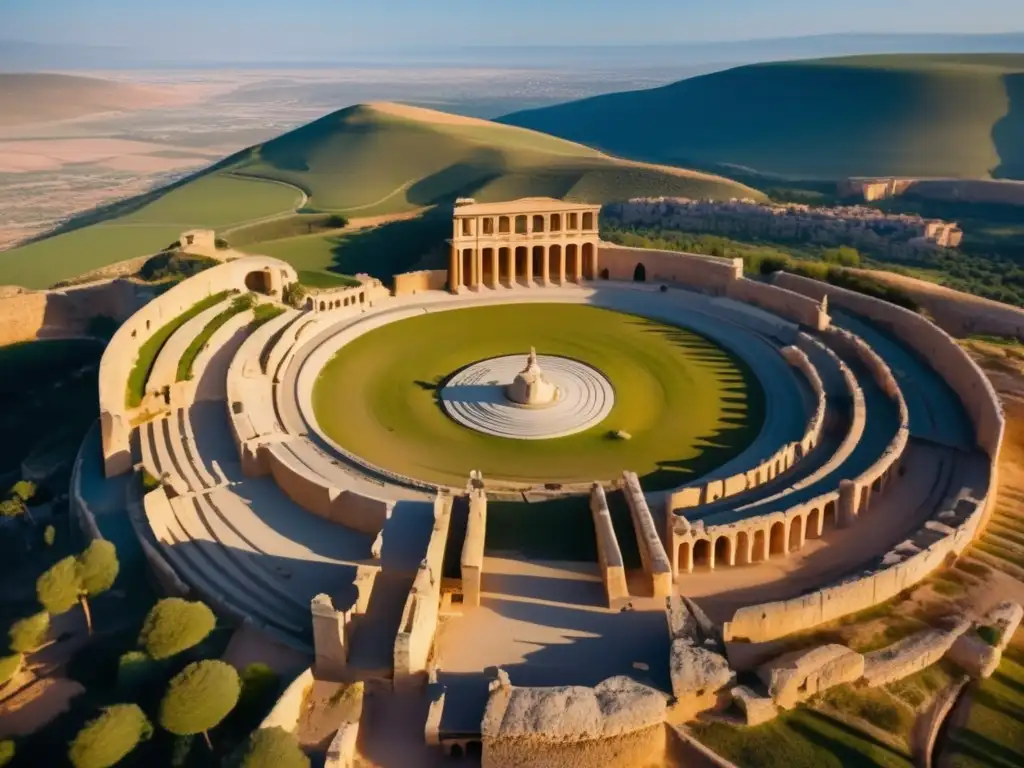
(954, 115)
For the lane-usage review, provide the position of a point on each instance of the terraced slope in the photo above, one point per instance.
(958, 116)
(361, 161)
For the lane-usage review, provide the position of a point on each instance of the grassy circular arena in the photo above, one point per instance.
(688, 404)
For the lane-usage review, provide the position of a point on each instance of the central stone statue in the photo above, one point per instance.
(531, 386)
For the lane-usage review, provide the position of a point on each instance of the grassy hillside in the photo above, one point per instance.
(919, 115)
(360, 161)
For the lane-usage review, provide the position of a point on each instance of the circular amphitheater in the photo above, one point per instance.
(870, 467)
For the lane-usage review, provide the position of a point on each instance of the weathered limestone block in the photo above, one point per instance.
(696, 670)
(796, 676)
(342, 751)
(614, 707)
(330, 641)
(911, 654)
(758, 709)
(976, 656)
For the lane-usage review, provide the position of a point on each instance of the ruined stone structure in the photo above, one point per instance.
(877, 418)
(536, 240)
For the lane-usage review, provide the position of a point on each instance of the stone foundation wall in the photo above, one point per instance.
(423, 280)
(609, 555)
(652, 551)
(703, 273)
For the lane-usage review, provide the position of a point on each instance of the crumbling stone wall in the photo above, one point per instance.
(652, 551)
(797, 676)
(423, 280)
(609, 555)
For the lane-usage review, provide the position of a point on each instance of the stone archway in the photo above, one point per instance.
(723, 551)
(743, 553)
(640, 273)
(829, 520)
(814, 524)
(259, 282)
(777, 539)
(683, 563)
(701, 553)
(759, 551)
(796, 533)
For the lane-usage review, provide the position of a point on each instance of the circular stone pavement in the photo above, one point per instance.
(475, 397)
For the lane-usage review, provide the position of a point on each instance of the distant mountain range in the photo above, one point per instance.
(952, 115)
(24, 56)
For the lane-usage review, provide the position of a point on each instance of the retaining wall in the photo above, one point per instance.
(314, 494)
(423, 280)
(652, 551)
(609, 556)
(415, 637)
(704, 273)
(471, 562)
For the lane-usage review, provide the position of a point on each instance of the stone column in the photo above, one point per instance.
(454, 273)
(474, 274)
(578, 266)
(847, 508)
(561, 265)
(495, 274)
(597, 268)
(510, 267)
(546, 273)
(711, 555)
(529, 266)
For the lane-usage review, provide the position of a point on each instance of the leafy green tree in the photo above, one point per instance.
(106, 740)
(14, 507)
(9, 666)
(273, 748)
(199, 697)
(24, 490)
(76, 579)
(174, 625)
(98, 569)
(29, 633)
(6, 752)
(295, 295)
(59, 587)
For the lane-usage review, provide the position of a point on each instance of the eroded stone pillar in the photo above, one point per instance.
(454, 272)
(847, 509)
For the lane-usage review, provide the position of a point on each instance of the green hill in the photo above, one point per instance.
(959, 116)
(362, 161)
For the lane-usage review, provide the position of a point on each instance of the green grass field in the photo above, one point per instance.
(212, 201)
(360, 161)
(802, 738)
(993, 736)
(915, 115)
(687, 403)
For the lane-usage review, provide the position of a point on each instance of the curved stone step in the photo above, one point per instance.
(227, 568)
(197, 571)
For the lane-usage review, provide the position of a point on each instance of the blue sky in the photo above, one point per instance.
(271, 27)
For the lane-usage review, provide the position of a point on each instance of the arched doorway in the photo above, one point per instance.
(777, 539)
(701, 553)
(814, 524)
(467, 267)
(640, 273)
(829, 520)
(723, 551)
(259, 282)
(683, 563)
(796, 533)
(759, 552)
(743, 548)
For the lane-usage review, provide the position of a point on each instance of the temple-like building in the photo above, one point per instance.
(535, 240)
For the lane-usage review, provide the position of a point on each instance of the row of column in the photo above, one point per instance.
(470, 266)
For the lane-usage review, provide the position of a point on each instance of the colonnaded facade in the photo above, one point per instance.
(534, 241)
(876, 466)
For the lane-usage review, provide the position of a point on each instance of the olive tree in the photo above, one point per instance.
(9, 666)
(174, 625)
(76, 579)
(29, 633)
(105, 740)
(199, 697)
(272, 748)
